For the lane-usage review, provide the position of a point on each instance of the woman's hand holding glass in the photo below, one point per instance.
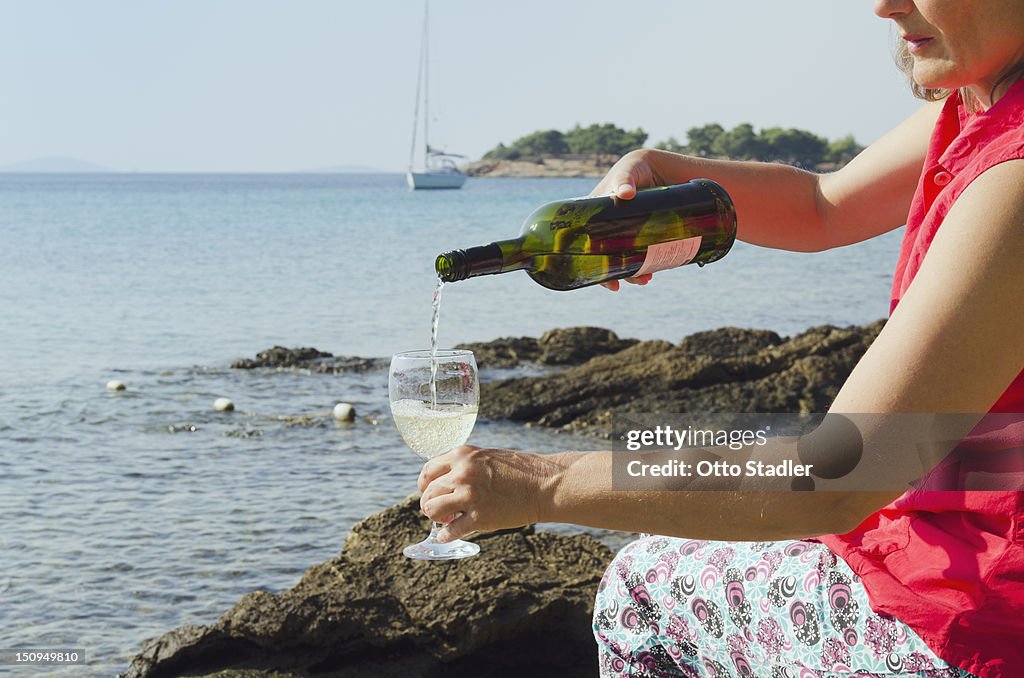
(471, 489)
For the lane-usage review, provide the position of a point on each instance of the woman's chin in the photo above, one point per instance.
(936, 75)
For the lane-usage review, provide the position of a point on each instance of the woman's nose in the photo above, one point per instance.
(890, 9)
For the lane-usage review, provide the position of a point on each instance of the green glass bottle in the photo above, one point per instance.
(569, 244)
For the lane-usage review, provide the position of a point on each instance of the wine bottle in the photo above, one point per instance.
(568, 244)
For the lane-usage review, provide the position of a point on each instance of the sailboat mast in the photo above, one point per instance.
(420, 72)
(426, 83)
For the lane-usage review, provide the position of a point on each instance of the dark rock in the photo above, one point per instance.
(310, 359)
(505, 352)
(729, 342)
(569, 346)
(279, 356)
(577, 345)
(521, 607)
(727, 370)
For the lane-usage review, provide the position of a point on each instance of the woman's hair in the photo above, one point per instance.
(905, 62)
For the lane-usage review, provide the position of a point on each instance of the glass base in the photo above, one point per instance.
(430, 549)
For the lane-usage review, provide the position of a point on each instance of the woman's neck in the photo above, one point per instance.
(987, 93)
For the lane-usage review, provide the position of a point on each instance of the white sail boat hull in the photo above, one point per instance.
(426, 179)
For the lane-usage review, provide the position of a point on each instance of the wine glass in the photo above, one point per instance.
(434, 399)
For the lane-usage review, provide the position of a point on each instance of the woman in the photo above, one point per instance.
(841, 582)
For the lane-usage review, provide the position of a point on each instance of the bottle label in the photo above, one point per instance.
(670, 255)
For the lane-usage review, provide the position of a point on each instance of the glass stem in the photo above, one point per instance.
(434, 529)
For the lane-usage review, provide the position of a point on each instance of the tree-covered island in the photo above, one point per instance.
(589, 151)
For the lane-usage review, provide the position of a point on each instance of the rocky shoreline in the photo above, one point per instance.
(724, 370)
(585, 167)
(523, 606)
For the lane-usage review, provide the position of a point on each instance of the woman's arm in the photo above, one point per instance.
(784, 207)
(953, 345)
(495, 489)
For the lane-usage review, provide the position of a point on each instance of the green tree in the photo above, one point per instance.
(671, 144)
(607, 139)
(540, 144)
(739, 143)
(842, 151)
(502, 152)
(700, 140)
(794, 146)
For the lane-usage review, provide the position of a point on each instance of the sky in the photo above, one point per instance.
(279, 86)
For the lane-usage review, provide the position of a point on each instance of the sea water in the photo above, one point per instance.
(125, 514)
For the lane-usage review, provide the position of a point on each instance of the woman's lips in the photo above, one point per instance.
(917, 43)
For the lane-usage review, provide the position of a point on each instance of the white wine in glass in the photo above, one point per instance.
(434, 398)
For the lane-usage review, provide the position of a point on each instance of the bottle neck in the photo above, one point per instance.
(475, 261)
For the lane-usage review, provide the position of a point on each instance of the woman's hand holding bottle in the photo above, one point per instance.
(633, 172)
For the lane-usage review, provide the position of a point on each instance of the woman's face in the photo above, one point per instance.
(959, 43)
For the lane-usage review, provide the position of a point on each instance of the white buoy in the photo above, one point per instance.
(344, 412)
(223, 405)
(115, 385)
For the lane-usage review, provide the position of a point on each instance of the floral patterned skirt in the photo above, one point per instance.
(789, 609)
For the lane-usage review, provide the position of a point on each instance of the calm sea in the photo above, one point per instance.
(125, 514)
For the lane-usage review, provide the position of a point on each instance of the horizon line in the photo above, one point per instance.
(368, 170)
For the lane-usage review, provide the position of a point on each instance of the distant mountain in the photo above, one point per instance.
(56, 164)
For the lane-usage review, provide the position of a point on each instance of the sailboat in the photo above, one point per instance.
(438, 169)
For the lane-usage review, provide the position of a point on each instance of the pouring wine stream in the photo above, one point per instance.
(436, 302)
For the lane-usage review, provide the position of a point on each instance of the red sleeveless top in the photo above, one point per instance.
(950, 564)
